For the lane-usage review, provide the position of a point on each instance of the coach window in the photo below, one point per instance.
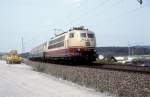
(71, 35)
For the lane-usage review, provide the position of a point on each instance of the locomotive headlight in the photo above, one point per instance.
(78, 49)
(95, 50)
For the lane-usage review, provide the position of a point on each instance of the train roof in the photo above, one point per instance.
(74, 28)
(78, 28)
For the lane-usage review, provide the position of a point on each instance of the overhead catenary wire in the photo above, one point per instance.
(130, 11)
(100, 13)
(122, 14)
(79, 7)
(86, 13)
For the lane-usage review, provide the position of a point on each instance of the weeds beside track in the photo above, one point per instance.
(118, 82)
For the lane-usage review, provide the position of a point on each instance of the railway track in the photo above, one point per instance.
(129, 68)
(118, 67)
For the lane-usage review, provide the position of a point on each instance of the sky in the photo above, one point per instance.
(115, 22)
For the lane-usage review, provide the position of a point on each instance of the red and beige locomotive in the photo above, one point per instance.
(76, 45)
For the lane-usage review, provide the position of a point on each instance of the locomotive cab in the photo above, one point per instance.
(87, 39)
(81, 44)
(81, 39)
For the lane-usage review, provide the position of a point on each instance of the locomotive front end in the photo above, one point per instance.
(87, 39)
(82, 44)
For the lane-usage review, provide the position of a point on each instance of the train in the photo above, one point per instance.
(78, 44)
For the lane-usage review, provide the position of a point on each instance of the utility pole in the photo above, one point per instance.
(55, 31)
(132, 51)
(129, 51)
(22, 44)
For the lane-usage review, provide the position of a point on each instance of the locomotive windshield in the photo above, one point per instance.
(83, 34)
(90, 35)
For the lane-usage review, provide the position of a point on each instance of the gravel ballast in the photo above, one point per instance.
(120, 83)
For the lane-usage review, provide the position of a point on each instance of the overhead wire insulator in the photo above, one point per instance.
(140, 1)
